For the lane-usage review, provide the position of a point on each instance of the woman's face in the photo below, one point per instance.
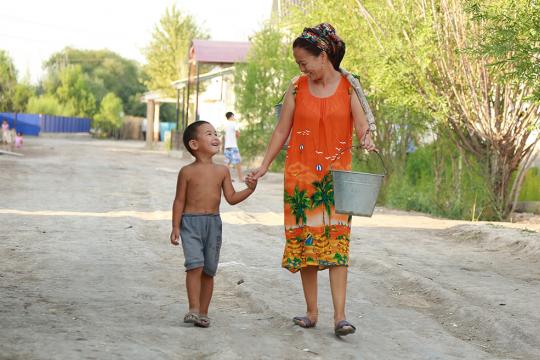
(309, 64)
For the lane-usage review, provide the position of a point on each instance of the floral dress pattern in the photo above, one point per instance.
(322, 128)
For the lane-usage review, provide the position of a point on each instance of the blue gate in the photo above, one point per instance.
(32, 124)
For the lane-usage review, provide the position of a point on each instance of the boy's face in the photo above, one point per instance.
(207, 140)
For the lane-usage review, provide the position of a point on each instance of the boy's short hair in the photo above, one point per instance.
(228, 115)
(190, 133)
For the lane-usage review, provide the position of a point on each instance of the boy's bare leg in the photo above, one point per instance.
(207, 287)
(239, 171)
(193, 286)
(309, 283)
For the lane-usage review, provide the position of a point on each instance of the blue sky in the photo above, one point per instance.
(31, 30)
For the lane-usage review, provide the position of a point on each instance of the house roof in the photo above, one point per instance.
(222, 52)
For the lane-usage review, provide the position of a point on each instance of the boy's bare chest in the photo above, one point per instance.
(207, 181)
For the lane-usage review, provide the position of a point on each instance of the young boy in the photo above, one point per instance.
(231, 152)
(195, 216)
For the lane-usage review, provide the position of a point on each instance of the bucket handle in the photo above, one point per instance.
(360, 147)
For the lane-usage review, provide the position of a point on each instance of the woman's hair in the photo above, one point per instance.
(191, 132)
(321, 38)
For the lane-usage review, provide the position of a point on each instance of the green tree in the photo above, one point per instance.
(509, 37)
(8, 81)
(109, 117)
(486, 115)
(22, 94)
(45, 104)
(299, 202)
(105, 72)
(324, 195)
(260, 83)
(167, 53)
(74, 92)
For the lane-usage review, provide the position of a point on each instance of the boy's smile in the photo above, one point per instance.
(208, 139)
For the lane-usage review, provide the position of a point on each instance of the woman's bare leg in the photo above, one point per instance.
(338, 286)
(309, 283)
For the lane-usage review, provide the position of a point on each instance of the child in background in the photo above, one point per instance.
(195, 216)
(6, 134)
(19, 140)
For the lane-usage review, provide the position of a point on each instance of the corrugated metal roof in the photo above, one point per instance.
(223, 52)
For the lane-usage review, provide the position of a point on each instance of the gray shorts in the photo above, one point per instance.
(201, 241)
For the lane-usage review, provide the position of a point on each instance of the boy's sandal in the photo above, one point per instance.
(191, 318)
(304, 321)
(344, 328)
(204, 321)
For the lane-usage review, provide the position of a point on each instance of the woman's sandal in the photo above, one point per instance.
(204, 321)
(344, 328)
(191, 318)
(304, 321)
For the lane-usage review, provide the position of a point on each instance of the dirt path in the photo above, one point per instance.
(87, 272)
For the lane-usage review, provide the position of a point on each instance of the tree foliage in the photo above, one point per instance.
(167, 53)
(22, 94)
(74, 92)
(109, 117)
(45, 104)
(104, 71)
(259, 84)
(8, 81)
(510, 37)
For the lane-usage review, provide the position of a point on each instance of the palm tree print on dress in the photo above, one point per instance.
(299, 202)
(324, 195)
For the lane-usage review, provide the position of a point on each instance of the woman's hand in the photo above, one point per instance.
(254, 175)
(368, 144)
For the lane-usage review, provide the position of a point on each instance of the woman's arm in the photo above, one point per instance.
(360, 124)
(280, 134)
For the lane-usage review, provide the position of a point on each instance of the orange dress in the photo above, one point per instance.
(322, 128)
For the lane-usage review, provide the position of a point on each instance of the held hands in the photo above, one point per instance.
(251, 182)
(257, 173)
(175, 236)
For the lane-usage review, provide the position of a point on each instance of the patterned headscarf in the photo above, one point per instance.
(323, 36)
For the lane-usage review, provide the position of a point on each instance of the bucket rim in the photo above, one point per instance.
(357, 172)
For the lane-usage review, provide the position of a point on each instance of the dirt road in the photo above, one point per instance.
(87, 272)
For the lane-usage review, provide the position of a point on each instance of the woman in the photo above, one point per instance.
(319, 112)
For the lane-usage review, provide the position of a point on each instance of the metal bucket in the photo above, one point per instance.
(355, 193)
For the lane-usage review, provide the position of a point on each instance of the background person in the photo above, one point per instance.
(231, 152)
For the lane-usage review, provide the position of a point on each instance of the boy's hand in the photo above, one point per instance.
(175, 236)
(251, 182)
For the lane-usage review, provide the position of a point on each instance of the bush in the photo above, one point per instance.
(109, 117)
(530, 191)
(439, 180)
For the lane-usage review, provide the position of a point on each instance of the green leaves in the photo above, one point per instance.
(8, 81)
(167, 53)
(104, 71)
(259, 85)
(74, 92)
(511, 38)
(110, 113)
